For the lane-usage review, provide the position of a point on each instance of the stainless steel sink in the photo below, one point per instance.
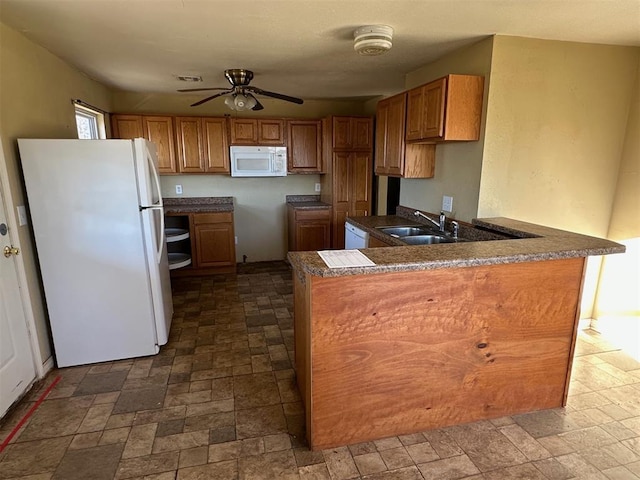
(402, 231)
(426, 239)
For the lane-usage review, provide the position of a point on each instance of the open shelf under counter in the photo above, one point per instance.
(179, 260)
(175, 234)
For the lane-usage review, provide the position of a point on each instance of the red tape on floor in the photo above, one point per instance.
(29, 413)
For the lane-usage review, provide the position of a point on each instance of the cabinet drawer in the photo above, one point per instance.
(321, 214)
(220, 217)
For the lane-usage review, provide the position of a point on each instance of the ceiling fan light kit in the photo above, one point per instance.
(241, 96)
(372, 40)
(240, 102)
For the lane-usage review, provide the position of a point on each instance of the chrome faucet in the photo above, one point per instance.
(439, 224)
(456, 228)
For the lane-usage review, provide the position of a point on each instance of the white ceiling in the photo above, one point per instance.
(298, 47)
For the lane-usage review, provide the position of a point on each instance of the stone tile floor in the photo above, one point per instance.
(220, 402)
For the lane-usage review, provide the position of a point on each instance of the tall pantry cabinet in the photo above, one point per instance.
(346, 185)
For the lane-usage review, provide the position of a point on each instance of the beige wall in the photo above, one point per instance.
(179, 104)
(556, 123)
(260, 213)
(618, 300)
(458, 165)
(555, 129)
(36, 89)
(260, 217)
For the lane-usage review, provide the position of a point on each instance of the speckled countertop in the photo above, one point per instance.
(306, 202)
(198, 204)
(525, 242)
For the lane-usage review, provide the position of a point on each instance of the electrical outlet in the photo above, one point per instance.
(22, 215)
(447, 203)
(178, 189)
(318, 187)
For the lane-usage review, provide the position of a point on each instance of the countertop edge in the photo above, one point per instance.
(537, 243)
(198, 205)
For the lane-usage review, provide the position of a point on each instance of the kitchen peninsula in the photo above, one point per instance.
(438, 335)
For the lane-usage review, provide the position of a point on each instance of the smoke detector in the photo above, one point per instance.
(372, 39)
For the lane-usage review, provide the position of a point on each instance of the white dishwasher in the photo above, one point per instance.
(354, 237)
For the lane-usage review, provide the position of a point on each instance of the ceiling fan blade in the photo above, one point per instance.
(208, 98)
(258, 105)
(279, 96)
(202, 89)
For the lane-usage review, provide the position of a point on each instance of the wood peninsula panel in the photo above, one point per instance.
(411, 351)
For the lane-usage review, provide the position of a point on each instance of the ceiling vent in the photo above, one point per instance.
(189, 78)
(372, 39)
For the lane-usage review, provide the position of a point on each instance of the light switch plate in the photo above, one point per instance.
(178, 189)
(447, 203)
(22, 215)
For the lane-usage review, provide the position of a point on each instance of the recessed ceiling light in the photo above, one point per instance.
(189, 78)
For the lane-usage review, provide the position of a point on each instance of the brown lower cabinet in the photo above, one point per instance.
(309, 229)
(212, 243)
(374, 243)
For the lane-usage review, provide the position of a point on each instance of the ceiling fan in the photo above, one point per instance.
(241, 95)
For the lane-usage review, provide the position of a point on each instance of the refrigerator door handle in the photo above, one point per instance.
(163, 239)
(156, 176)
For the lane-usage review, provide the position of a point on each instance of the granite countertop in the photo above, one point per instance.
(306, 202)
(198, 204)
(524, 242)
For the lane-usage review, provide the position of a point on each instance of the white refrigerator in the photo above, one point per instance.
(98, 222)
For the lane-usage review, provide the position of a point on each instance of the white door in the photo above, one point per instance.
(17, 370)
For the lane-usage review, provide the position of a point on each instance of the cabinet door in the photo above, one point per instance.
(341, 192)
(244, 131)
(341, 132)
(390, 123)
(394, 146)
(271, 132)
(362, 133)
(214, 245)
(360, 193)
(414, 114)
(374, 243)
(214, 241)
(126, 126)
(190, 148)
(159, 130)
(434, 104)
(304, 146)
(313, 236)
(382, 119)
(215, 146)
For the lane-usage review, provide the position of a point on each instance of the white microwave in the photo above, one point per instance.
(258, 161)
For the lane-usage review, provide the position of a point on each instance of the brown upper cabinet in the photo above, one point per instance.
(202, 145)
(257, 131)
(126, 126)
(304, 142)
(352, 133)
(394, 157)
(157, 129)
(447, 109)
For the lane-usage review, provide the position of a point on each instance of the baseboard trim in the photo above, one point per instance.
(47, 366)
(585, 323)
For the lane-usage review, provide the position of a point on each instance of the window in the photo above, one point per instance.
(90, 123)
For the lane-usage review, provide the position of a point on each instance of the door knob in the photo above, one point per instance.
(8, 251)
